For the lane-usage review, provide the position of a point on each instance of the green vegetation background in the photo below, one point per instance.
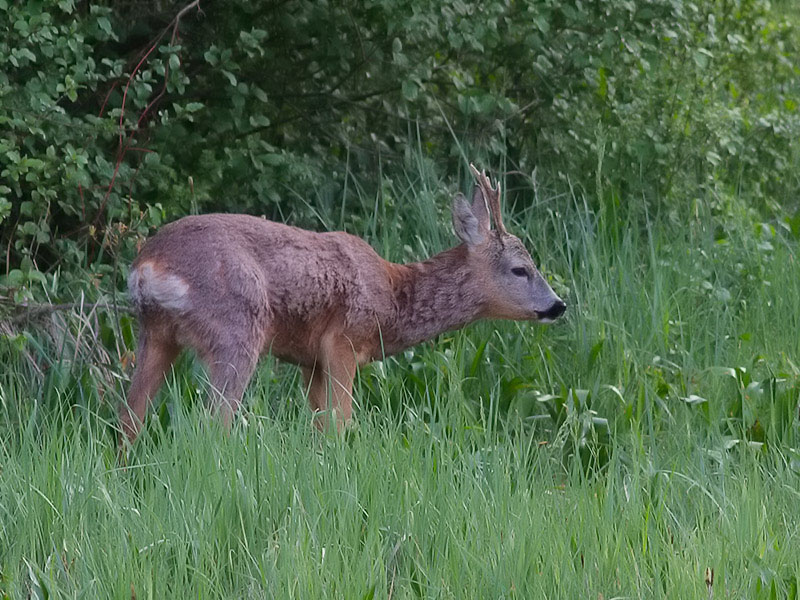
(649, 153)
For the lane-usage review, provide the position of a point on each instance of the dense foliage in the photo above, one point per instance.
(114, 119)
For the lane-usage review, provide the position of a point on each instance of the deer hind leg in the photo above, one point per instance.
(230, 333)
(330, 383)
(230, 372)
(155, 356)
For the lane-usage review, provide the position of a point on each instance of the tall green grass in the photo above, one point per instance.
(621, 453)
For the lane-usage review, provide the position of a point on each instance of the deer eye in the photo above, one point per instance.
(519, 272)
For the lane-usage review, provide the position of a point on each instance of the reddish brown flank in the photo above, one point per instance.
(233, 287)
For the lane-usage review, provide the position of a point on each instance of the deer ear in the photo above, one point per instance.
(467, 225)
(480, 208)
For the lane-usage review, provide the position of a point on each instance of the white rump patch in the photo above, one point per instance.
(147, 285)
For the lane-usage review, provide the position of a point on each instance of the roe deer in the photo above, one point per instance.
(233, 286)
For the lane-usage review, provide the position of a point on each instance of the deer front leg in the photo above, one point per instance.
(330, 383)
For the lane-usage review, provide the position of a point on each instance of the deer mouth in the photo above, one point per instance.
(551, 314)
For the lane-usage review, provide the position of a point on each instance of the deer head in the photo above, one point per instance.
(513, 286)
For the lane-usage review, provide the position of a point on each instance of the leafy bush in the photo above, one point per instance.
(114, 120)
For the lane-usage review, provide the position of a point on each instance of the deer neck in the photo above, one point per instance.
(433, 296)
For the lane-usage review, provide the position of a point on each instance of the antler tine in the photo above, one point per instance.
(492, 196)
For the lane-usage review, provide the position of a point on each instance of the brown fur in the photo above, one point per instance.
(235, 286)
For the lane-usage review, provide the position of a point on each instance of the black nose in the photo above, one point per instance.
(555, 311)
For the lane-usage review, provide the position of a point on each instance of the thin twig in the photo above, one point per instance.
(123, 148)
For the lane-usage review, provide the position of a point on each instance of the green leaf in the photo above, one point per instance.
(231, 77)
(105, 25)
(410, 90)
(724, 371)
(15, 278)
(272, 159)
(29, 228)
(34, 275)
(259, 121)
(25, 53)
(694, 399)
(5, 209)
(713, 157)
(701, 57)
(260, 95)
(794, 224)
(212, 56)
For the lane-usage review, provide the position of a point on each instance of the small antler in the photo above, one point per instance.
(492, 196)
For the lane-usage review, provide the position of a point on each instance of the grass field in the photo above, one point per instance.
(649, 437)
